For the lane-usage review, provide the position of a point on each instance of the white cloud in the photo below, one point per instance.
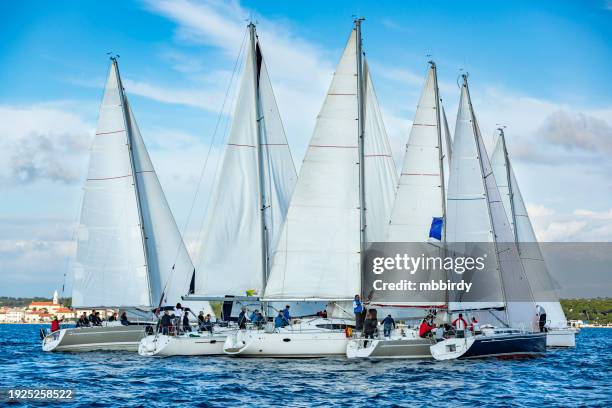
(539, 210)
(601, 215)
(42, 142)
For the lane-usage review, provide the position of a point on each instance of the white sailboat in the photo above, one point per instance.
(477, 223)
(248, 207)
(558, 334)
(419, 202)
(343, 197)
(130, 253)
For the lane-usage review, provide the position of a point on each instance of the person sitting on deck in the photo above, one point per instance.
(280, 321)
(425, 329)
(166, 322)
(97, 320)
(460, 325)
(388, 323)
(124, 319)
(286, 313)
(206, 324)
(242, 318)
(92, 317)
(113, 317)
(83, 320)
(186, 325)
(200, 319)
(260, 320)
(253, 316)
(55, 324)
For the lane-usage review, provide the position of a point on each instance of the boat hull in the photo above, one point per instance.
(109, 338)
(510, 345)
(561, 338)
(257, 343)
(197, 344)
(394, 348)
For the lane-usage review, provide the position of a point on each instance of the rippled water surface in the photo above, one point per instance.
(581, 376)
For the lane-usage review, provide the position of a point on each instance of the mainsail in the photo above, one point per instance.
(318, 256)
(129, 248)
(538, 275)
(477, 222)
(252, 192)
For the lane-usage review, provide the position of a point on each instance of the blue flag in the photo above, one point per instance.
(436, 228)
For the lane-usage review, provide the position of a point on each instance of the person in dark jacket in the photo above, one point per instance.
(97, 319)
(205, 324)
(370, 325)
(388, 324)
(186, 325)
(92, 317)
(286, 313)
(124, 319)
(83, 320)
(242, 318)
(166, 322)
(113, 317)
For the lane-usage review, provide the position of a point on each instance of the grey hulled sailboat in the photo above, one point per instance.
(130, 253)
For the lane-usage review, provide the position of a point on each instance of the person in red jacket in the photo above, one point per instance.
(460, 326)
(425, 329)
(55, 324)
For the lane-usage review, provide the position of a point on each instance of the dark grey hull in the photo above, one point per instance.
(126, 338)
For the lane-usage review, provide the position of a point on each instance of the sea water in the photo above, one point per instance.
(573, 377)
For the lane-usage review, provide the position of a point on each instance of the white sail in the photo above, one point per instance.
(111, 266)
(419, 195)
(476, 215)
(169, 265)
(231, 257)
(380, 172)
(318, 254)
(538, 275)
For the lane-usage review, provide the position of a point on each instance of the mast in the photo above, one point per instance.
(128, 132)
(510, 191)
(440, 152)
(361, 133)
(260, 156)
(486, 191)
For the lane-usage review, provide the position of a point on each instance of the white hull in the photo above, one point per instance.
(306, 340)
(407, 345)
(561, 338)
(108, 338)
(195, 344)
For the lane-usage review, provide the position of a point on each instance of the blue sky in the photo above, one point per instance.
(541, 68)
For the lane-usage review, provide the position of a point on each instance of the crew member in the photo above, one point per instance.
(358, 310)
(425, 329)
(542, 314)
(388, 323)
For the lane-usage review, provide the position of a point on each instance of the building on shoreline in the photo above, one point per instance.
(42, 312)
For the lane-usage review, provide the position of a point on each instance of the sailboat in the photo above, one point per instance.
(558, 333)
(343, 197)
(419, 203)
(130, 253)
(248, 207)
(477, 224)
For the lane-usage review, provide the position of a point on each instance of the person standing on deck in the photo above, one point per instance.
(541, 312)
(388, 323)
(358, 310)
(460, 325)
(55, 324)
(242, 318)
(286, 314)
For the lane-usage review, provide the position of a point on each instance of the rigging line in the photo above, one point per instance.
(204, 166)
(228, 120)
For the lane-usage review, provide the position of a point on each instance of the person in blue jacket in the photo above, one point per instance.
(280, 321)
(358, 310)
(286, 314)
(388, 324)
